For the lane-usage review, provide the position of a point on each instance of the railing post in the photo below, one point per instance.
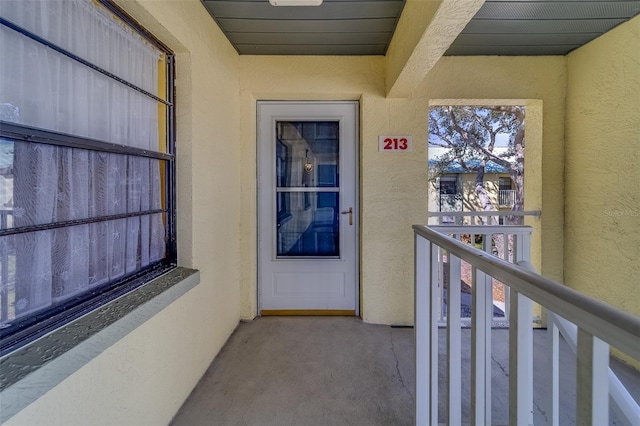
(520, 346)
(422, 307)
(426, 332)
(522, 248)
(520, 361)
(592, 405)
(481, 319)
(553, 362)
(454, 355)
(435, 298)
(437, 276)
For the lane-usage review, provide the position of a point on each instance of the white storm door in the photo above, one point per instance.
(307, 207)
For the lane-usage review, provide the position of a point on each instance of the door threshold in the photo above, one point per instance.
(309, 312)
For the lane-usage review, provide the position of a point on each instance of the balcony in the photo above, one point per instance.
(473, 365)
(340, 371)
(507, 198)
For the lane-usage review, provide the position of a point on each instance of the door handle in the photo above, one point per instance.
(350, 213)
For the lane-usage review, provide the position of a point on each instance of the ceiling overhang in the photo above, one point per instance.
(539, 27)
(412, 56)
(366, 27)
(336, 27)
(415, 34)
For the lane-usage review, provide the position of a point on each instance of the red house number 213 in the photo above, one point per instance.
(394, 143)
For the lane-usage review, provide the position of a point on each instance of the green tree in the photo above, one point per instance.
(470, 133)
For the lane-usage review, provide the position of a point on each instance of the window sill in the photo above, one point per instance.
(34, 369)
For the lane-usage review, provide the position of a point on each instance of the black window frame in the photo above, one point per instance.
(25, 330)
(502, 183)
(449, 185)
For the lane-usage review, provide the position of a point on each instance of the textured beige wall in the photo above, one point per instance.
(393, 197)
(393, 187)
(602, 222)
(145, 377)
(141, 380)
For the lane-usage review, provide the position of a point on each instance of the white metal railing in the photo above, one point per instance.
(623, 402)
(500, 241)
(598, 326)
(507, 197)
(492, 217)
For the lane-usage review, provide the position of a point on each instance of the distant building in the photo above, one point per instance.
(454, 189)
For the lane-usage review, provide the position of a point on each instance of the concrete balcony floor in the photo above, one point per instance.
(311, 371)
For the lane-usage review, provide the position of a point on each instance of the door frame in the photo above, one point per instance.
(356, 215)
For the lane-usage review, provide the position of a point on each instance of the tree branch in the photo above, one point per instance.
(477, 146)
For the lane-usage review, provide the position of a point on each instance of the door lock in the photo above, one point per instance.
(350, 213)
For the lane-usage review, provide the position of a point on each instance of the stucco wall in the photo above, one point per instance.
(602, 223)
(145, 377)
(393, 187)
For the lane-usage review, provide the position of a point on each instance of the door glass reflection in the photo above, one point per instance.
(307, 154)
(307, 180)
(307, 224)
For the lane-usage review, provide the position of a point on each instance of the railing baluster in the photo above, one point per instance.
(522, 248)
(553, 362)
(436, 289)
(592, 406)
(505, 288)
(520, 346)
(520, 361)
(505, 246)
(454, 356)
(439, 277)
(482, 315)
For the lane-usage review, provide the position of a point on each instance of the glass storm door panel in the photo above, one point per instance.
(307, 188)
(306, 206)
